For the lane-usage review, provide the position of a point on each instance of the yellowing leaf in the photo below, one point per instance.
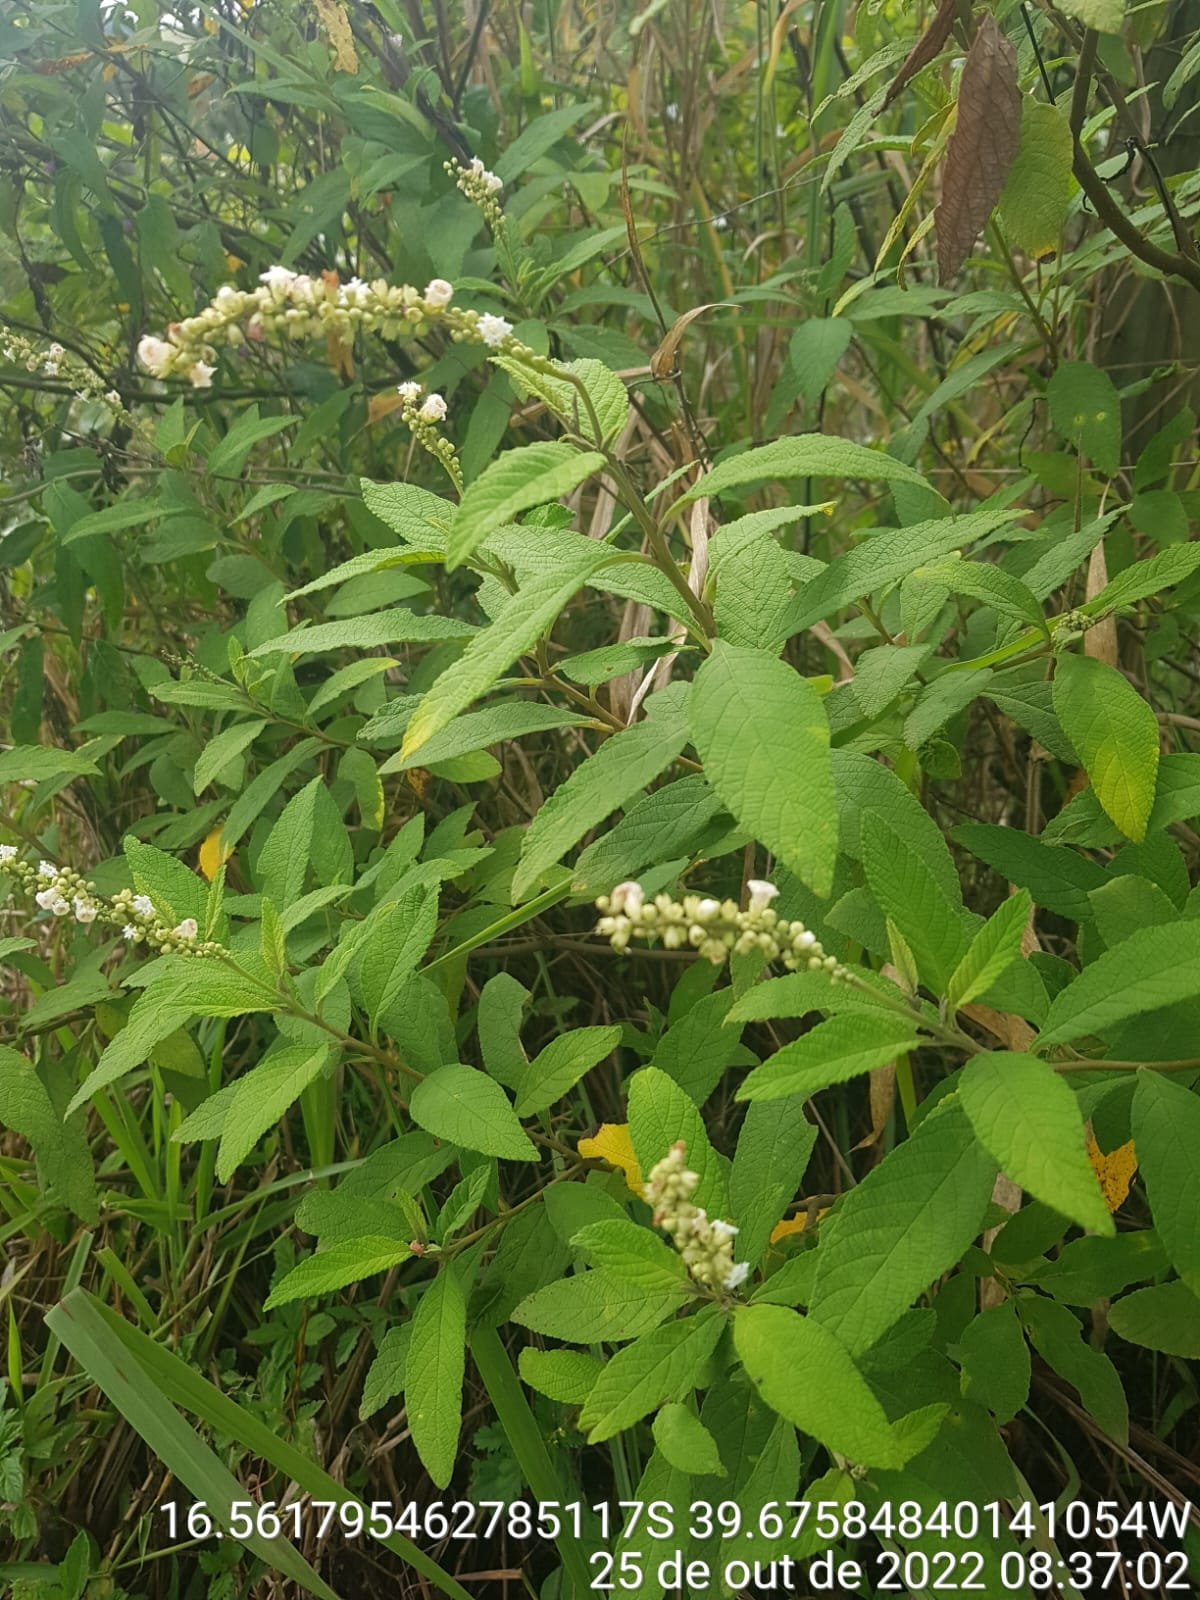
(1114, 1170)
(213, 855)
(613, 1144)
(791, 1225)
(341, 40)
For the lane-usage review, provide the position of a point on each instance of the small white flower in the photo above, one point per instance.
(202, 375)
(737, 1275)
(7, 852)
(708, 908)
(805, 940)
(47, 869)
(277, 279)
(129, 933)
(761, 894)
(438, 293)
(60, 906)
(113, 398)
(477, 168)
(46, 898)
(227, 297)
(671, 112)
(143, 905)
(154, 354)
(721, 223)
(408, 392)
(723, 1231)
(493, 330)
(303, 288)
(492, 183)
(433, 408)
(628, 897)
(57, 352)
(85, 910)
(187, 929)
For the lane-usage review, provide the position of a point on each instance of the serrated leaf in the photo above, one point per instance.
(661, 1114)
(1116, 734)
(477, 730)
(1058, 1338)
(397, 626)
(996, 1368)
(814, 351)
(907, 1222)
(60, 1147)
(564, 1375)
(597, 1307)
(992, 950)
(219, 752)
(559, 1066)
(530, 475)
(38, 762)
(763, 736)
(469, 1109)
(1154, 967)
(1033, 207)
(909, 894)
(662, 1364)
(806, 455)
(982, 147)
(834, 1051)
(385, 1376)
(1086, 409)
(1164, 1317)
(433, 1375)
(1166, 1132)
(805, 1375)
(773, 1150)
(262, 1097)
(997, 588)
(686, 1443)
(632, 1253)
(1106, 16)
(346, 1262)
(1029, 1121)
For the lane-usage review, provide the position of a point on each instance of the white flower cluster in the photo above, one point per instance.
(423, 415)
(63, 892)
(293, 305)
(716, 928)
(705, 1244)
(57, 362)
(481, 188)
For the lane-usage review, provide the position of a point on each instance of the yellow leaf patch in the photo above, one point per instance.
(1115, 1170)
(213, 855)
(613, 1144)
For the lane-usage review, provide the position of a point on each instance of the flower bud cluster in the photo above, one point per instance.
(716, 928)
(481, 188)
(57, 362)
(64, 893)
(422, 415)
(294, 306)
(705, 1244)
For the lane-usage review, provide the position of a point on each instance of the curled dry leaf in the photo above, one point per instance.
(927, 47)
(982, 147)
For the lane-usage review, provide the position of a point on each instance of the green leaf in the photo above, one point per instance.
(763, 736)
(814, 351)
(469, 1109)
(907, 1222)
(807, 455)
(632, 1253)
(834, 1051)
(662, 1364)
(1037, 193)
(686, 1443)
(996, 1369)
(392, 939)
(1106, 16)
(38, 762)
(773, 1150)
(910, 896)
(518, 479)
(992, 950)
(754, 585)
(1154, 967)
(1143, 578)
(559, 1066)
(621, 768)
(518, 624)
(597, 1307)
(262, 1097)
(661, 1114)
(218, 753)
(230, 455)
(995, 587)
(477, 730)
(1165, 1317)
(433, 1375)
(564, 1375)
(1085, 406)
(385, 1376)
(1058, 1339)
(1055, 876)
(803, 1373)
(346, 1262)
(1116, 734)
(61, 1147)
(1166, 1133)
(1029, 1121)
(660, 827)
(397, 626)
(614, 660)
(698, 1049)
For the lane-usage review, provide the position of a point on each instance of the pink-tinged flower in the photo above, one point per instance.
(85, 910)
(187, 929)
(202, 375)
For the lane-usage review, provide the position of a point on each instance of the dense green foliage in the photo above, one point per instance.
(597, 808)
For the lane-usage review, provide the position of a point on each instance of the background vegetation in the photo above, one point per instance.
(363, 699)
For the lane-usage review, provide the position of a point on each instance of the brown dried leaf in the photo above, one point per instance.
(923, 52)
(341, 40)
(982, 147)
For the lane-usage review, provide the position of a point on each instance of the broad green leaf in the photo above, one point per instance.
(1037, 193)
(686, 1443)
(754, 586)
(1106, 16)
(880, 674)
(992, 585)
(1142, 578)
(910, 896)
(908, 1221)
(1055, 876)
(1166, 1133)
(559, 1066)
(392, 939)
(1154, 967)
(1084, 404)
(346, 1262)
(613, 660)
(763, 736)
(597, 1307)
(803, 1373)
(992, 950)
(834, 1051)
(529, 476)
(397, 626)
(61, 1147)
(262, 1097)
(663, 1364)
(1165, 1317)
(697, 1049)
(773, 1150)
(39, 762)
(806, 455)
(798, 994)
(479, 729)
(219, 752)
(604, 389)
(385, 1376)
(620, 768)
(502, 1002)
(814, 351)
(632, 1252)
(471, 1110)
(565, 1375)
(660, 1114)
(996, 1369)
(433, 1375)
(1093, 1268)
(884, 558)
(660, 827)
(1116, 734)
(1029, 1121)
(517, 626)
(1058, 1338)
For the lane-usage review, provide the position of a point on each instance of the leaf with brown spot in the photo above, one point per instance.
(927, 47)
(982, 147)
